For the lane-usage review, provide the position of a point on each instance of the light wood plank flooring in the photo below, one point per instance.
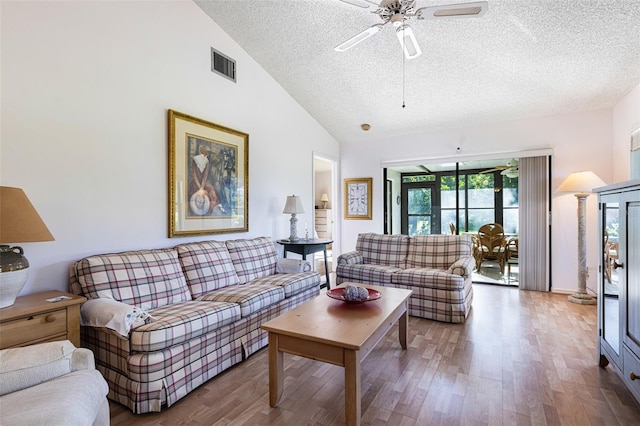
(522, 358)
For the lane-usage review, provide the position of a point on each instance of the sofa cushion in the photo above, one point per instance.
(292, 284)
(251, 298)
(386, 250)
(180, 322)
(207, 266)
(373, 274)
(253, 259)
(430, 278)
(147, 279)
(437, 251)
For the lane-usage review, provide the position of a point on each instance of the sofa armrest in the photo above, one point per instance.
(21, 368)
(292, 266)
(463, 266)
(350, 258)
(82, 359)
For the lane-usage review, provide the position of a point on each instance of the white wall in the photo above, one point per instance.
(626, 119)
(580, 141)
(85, 91)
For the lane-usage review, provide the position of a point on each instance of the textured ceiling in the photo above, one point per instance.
(521, 59)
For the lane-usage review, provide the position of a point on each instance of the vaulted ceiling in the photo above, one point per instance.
(523, 58)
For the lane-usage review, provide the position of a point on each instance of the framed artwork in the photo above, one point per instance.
(208, 177)
(357, 198)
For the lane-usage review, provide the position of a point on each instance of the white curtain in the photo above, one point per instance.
(533, 238)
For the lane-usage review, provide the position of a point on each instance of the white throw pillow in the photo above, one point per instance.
(292, 266)
(112, 314)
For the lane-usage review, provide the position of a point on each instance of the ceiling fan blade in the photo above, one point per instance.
(372, 30)
(462, 10)
(495, 169)
(360, 3)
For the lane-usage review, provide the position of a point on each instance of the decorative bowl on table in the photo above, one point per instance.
(354, 295)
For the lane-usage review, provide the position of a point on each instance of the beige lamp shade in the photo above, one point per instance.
(324, 198)
(581, 182)
(19, 223)
(293, 205)
(19, 220)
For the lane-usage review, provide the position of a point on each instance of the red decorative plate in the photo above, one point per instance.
(337, 293)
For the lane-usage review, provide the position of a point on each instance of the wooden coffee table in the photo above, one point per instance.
(332, 331)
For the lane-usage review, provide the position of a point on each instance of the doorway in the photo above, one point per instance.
(459, 198)
(326, 205)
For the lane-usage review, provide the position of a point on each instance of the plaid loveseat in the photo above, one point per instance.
(436, 267)
(162, 322)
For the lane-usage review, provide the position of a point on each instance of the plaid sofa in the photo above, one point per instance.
(436, 267)
(162, 322)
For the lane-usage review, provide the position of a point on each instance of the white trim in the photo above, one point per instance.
(469, 157)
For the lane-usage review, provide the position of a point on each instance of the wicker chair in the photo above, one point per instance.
(490, 245)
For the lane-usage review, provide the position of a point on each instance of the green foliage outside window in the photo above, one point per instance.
(480, 189)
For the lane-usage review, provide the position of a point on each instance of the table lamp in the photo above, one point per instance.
(293, 206)
(324, 198)
(582, 184)
(19, 223)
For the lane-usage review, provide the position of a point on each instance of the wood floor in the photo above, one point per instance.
(522, 358)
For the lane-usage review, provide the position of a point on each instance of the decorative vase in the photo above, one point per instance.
(14, 270)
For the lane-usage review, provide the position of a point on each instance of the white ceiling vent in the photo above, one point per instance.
(223, 65)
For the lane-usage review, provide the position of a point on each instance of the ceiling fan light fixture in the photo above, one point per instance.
(397, 20)
(408, 42)
(358, 38)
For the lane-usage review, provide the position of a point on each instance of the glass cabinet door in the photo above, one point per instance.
(630, 268)
(610, 282)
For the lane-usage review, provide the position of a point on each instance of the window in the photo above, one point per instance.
(431, 202)
(449, 203)
(482, 206)
(510, 204)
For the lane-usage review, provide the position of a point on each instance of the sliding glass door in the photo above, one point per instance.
(436, 199)
(461, 197)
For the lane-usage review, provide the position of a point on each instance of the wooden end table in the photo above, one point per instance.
(304, 247)
(31, 319)
(332, 331)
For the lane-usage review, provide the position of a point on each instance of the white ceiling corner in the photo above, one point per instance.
(522, 59)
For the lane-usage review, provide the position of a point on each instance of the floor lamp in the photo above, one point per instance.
(581, 184)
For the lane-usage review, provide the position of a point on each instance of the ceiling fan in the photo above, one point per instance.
(509, 170)
(399, 12)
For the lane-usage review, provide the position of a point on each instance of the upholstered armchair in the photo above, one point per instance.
(51, 383)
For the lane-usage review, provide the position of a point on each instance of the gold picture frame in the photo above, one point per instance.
(357, 198)
(208, 177)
